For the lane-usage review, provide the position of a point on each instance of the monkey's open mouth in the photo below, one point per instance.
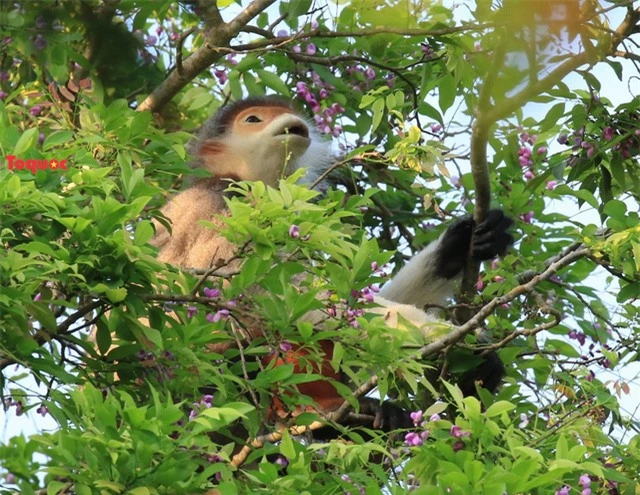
(294, 130)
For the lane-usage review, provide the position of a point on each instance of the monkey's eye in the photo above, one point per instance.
(252, 119)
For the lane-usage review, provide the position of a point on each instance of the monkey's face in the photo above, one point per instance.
(261, 143)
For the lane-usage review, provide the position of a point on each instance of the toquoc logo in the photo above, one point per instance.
(33, 165)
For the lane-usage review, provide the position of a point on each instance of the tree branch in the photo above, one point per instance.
(220, 34)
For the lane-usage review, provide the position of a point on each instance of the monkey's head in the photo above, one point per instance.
(259, 138)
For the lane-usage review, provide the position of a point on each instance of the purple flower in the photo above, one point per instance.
(563, 139)
(586, 491)
(212, 293)
(311, 49)
(37, 297)
(221, 75)
(581, 337)
(42, 410)
(285, 346)
(35, 110)
(191, 311)
(434, 417)
(459, 445)
(456, 431)
(283, 33)
(413, 439)
(551, 185)
(10, 478)
(585, 481)
(221, 314)
(3, 95)
(527, 217)
(608, 133)
(529, 175)
(294, 231)
(41, 137)
(416, 417)
(563, 491)
(542, 150)
(296, 49)
(151, 40)
(370, 74)
(40, 43)
(281, 461)
(41, 23)
(435, 128)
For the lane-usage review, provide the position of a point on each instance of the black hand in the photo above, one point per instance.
(490, 238)
(388, 416)
(453, 250)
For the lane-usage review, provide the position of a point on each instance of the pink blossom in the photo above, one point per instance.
(527, 217)
(551, 185)
(294, 231)
(413, 439)
(416, 417)
(211, 293)
(585, 481)
(285, 346)
(608, 133)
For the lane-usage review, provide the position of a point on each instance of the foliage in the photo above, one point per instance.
(97, 103)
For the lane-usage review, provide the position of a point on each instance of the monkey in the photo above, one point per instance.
(265, 139)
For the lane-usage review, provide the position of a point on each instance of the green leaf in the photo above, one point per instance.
(497, 408)
(116, 295)
(378, 113)
(629, 291)
(286, 446)
(616, 209)
(277, 374)
(274, 82)
(140, 122)
(141, 490)
(56, 139)
(26, 142)
(144, 232)
(54, 487)
(446, 92)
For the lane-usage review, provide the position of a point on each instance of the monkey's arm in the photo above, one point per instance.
(430, 276)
